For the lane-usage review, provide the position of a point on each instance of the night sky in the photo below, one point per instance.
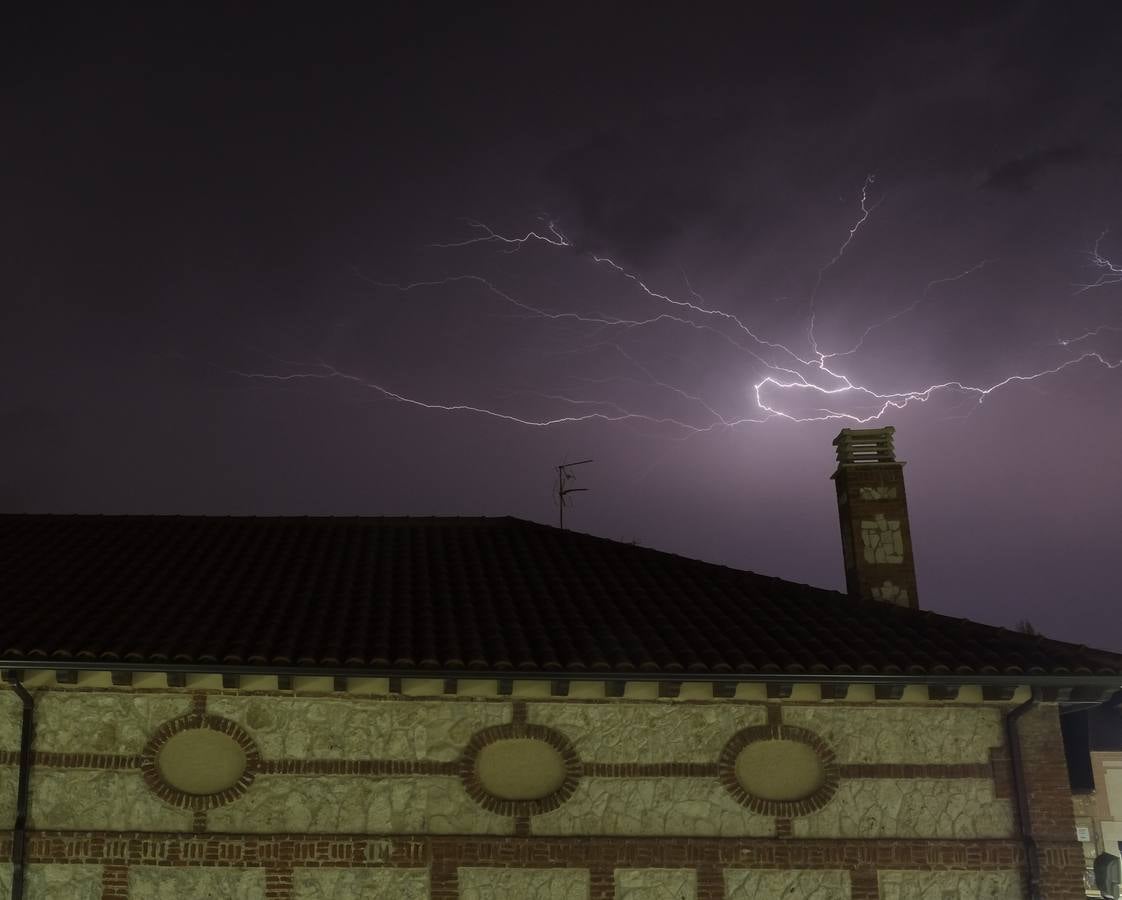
(244, 248)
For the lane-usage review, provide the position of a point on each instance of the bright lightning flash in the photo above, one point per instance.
(790, 376)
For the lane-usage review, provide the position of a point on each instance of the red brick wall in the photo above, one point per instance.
(1051, 815)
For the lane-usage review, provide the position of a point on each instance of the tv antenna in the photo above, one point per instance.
(564, 476)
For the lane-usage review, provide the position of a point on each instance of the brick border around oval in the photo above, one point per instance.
(726, 770)
(469, 775)
(150, 769)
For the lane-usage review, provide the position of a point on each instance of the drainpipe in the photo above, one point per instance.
(19, 830)
(1032, 861)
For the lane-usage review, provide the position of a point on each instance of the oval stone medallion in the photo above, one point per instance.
(779, 770)
(201, 761)
(520, 769)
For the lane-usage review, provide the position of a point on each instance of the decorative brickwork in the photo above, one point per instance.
(906, 770)
(873, 512)
(646, 770)
(885, 764)
(469, 773)
(601, 883)
(444, 881)
(115, 882)
(710, 882)
(1052, 818)
(864, 885)
(110, 761)
(278, 884)
(726, 770)
(377, 768)
(440, 852)
(149, 759)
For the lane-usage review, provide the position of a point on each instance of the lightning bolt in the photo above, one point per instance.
(554, 237)
(931, 285)
(1094, 332)
(815, 383)
(325, 372)
(853, 229)
(1109, 272)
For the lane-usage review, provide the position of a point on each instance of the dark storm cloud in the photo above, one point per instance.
(637, 191)
(182, 184)
(1023, 172)
(740, 129)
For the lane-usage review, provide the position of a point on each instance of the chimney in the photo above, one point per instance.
(872, 507)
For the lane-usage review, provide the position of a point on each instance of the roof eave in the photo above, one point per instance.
(1031, 679)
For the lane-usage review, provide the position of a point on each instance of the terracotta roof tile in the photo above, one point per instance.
(431, 593)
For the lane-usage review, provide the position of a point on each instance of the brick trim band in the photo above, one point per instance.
(414, 851)
(907, 770)
(73, 760)
(646, 770)
(726, 770)
(150, 769)
(357, 767)
(380, 767)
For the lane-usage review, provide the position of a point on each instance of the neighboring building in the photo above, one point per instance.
(1093, 740)
(490, 709)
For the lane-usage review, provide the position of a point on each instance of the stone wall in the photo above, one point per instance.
(652, 806)
(941, 885)
(647, 732)
(915, 807)
(374, 728)
(389, 765)
(655, 884)
(378, 800)
(357, 804)
(933, 734)
(364, 884)
(10, 714)
(479, 883)
(73, 881)
(759, 884)
(157, 883)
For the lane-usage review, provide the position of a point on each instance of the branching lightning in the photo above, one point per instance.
(324, 371)
(1109, 272)
(554, 237)
(931, 285)
(793, 386)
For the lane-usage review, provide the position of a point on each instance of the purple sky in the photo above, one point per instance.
(193, 202)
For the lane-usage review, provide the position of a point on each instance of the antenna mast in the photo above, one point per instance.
(563, 476)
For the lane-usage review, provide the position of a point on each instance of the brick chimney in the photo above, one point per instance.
(872, 507)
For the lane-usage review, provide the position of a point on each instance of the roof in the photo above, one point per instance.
(447, 594)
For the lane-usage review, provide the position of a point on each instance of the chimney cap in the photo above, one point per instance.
(865, 445)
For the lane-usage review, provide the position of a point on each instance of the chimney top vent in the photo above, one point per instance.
(865, 445)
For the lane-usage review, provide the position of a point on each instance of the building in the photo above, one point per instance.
(491, 709)
(1093, 739)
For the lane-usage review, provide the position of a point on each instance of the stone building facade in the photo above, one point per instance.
(489, 709)
(318, 793)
